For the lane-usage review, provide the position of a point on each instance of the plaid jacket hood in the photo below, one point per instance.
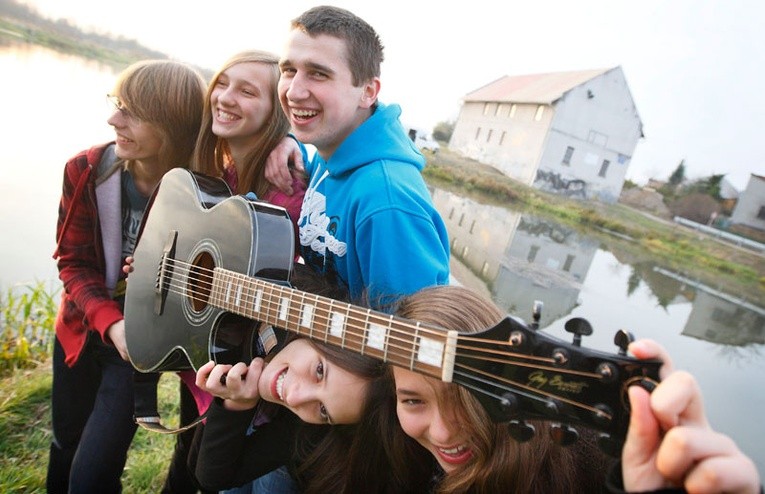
(86, 303)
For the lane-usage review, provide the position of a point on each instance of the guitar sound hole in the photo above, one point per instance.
(200, 280)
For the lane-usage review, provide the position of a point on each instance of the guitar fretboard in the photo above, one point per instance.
(401, 342)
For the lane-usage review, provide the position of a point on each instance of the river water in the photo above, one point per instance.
(54, 106)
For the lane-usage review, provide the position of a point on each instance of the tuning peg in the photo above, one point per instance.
(509, 403)
(579, 327)
(536, 313)
(622, 339)
(563, 435)
(521, 431)
(610, 446)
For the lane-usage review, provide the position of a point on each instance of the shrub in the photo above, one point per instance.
(27, 318)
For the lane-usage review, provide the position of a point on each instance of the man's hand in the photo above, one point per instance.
(277, 170)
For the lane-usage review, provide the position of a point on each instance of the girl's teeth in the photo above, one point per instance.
(453, 451)
(280, 386)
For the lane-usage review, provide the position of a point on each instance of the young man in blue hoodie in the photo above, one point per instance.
(367, 219)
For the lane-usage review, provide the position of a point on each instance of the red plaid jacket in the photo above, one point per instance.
(86, 304)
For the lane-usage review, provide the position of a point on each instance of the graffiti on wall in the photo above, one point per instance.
(553, 182)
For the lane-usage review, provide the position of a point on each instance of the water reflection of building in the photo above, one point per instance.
(520, 258)
(721, 318)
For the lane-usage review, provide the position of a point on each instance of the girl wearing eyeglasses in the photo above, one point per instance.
(156, 114)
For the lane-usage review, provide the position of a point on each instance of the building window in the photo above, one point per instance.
(462, 218)
(533, 253)
(485, 268)
(568, 263)
(761, 213)
(568, 155)
(502, 137)
(477, 133)
(488, 136)
(540, 112)
(465, 251)
(451, 213)
(490, 109)
(512, 110)
(472, 225)
(604, 168)
(499, 109)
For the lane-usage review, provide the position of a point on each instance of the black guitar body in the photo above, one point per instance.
(192, 225)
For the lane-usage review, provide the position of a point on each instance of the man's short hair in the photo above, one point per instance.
(363, 46)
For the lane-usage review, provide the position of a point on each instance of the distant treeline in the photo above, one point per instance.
(20, 23)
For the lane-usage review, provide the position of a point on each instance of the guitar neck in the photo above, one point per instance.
(418, 347)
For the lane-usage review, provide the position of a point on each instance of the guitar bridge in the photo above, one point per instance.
(164, 272)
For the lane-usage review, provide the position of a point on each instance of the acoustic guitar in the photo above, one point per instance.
(204, 255)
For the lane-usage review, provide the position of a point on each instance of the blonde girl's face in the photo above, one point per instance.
(242, 102)
(302, 379)
(422, 419)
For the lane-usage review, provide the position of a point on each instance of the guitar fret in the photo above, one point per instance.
(284, 307)
(238, 298)
(376, 335)
(246, 296)
(306, 319)
(338, 324)
(214, 287)
(330, 320)
(386, 344)
(367, 330)
(347, 318)
(305, 315)
(266, 308)
(258, 300)
(430, 351)
(228, 290)
(294, 316)
(416, 339)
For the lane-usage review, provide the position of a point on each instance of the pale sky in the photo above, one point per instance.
(696, 68)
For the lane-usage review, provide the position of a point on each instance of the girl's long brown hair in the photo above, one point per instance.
(499, 464)
(211, 151)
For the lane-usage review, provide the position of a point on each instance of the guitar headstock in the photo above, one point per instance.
(519, 374)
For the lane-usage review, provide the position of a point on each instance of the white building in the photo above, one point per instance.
(750, 208)
(568, 132)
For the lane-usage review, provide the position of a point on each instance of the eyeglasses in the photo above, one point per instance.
(115, 103)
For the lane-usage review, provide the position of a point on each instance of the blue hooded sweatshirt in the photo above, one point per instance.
(368, 220)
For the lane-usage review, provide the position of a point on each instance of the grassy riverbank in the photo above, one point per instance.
(25, 435)
(690, 253)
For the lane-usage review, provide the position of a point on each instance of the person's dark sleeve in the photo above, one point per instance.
(229, 457)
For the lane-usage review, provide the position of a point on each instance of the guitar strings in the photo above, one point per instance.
(205, 276)
(197, 282)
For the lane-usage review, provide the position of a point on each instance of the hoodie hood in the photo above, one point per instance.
(380, 137)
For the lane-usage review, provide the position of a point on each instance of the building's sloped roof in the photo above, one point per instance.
(534, 88)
